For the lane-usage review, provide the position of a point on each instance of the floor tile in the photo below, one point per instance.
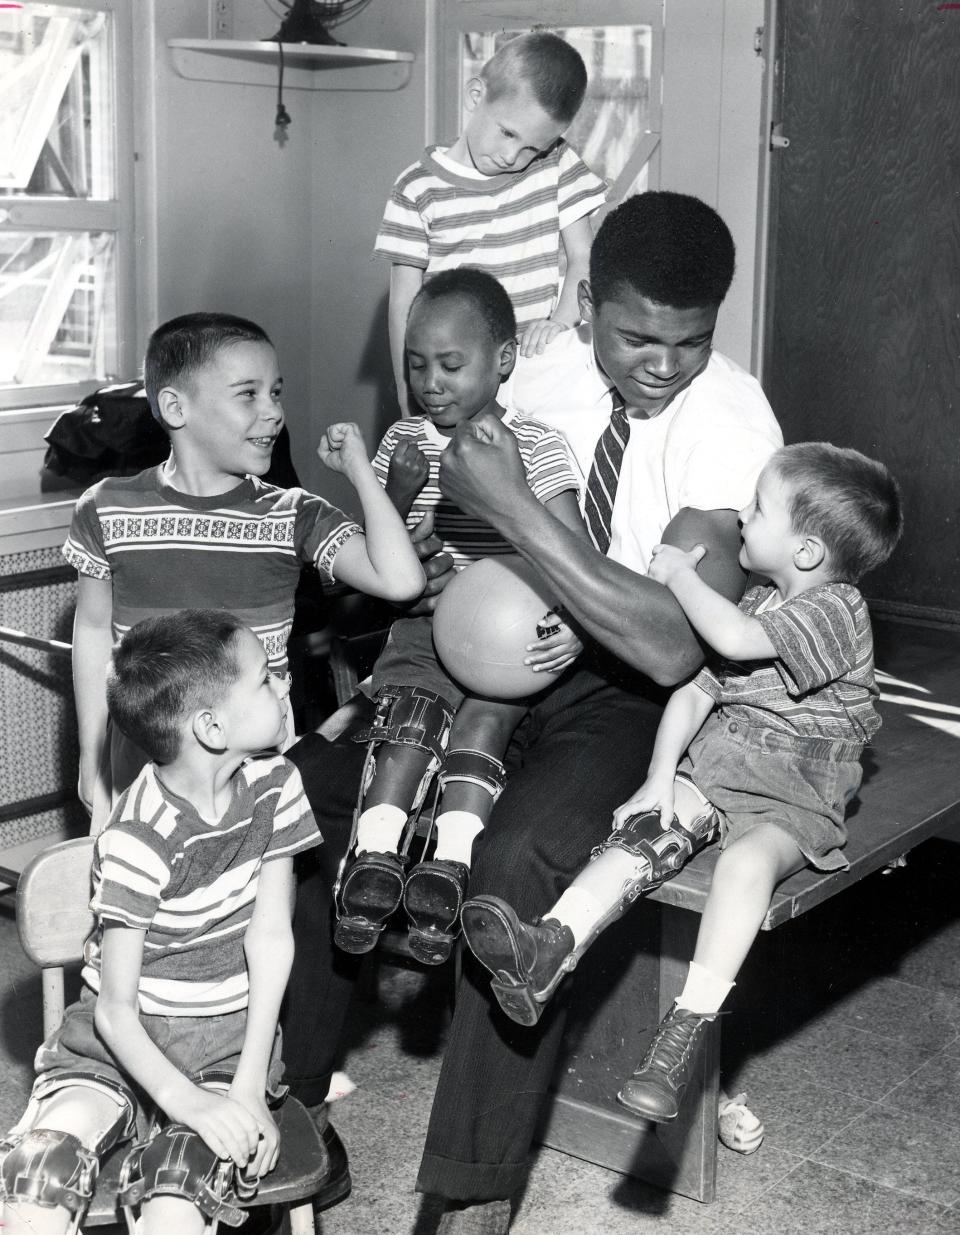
(815, 1200)
(933, 1091)
(892, 1008)
(852, 1061)
(899, 1149)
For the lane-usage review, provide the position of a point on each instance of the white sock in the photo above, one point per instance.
(379, 829)
(703, 991)
(579, 910)
(456, 832)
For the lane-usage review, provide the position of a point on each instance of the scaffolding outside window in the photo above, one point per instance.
(66, 189)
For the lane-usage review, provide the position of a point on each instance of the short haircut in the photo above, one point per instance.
(164, 669)
(185, 344)
(485, 294)
(851, 502)
(669, 247)
(549, 67)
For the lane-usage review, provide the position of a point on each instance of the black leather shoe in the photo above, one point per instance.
(432, 898)
(370, 894)
(527, 961)
(656, 1089)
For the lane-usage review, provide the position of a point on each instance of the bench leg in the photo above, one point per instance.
(624, 985)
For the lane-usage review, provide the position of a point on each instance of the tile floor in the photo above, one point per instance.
(845, 1031)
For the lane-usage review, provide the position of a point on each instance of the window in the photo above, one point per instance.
(66, 199)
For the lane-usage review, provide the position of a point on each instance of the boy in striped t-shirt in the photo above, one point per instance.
(508, 196)
(460, 346)
(185, 972)
(763, 748)
(202, 530)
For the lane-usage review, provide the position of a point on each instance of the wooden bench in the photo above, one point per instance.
(911, 792)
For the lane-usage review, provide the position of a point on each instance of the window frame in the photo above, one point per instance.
(116, 215)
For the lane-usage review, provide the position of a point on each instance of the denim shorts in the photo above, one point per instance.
(756, 776)
(204, 1048)
(410, 659)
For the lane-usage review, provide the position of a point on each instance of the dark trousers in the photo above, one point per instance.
(580, 752)
(322, 978)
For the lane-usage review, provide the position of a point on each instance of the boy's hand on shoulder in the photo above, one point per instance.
(224, 1123)
(408, 471)
(656, 793)
(268, 1148)
(342, 449)
(535, 337)
(668, 562)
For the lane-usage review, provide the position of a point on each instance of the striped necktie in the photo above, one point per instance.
(605, 473)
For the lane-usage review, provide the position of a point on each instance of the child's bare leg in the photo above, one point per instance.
(165, 1214)
(747, 872)
(48, 1163)
(471, 781)
(482, 727)
(528, 961)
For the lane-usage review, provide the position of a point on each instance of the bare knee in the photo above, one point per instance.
(485, 724)
(758, 861)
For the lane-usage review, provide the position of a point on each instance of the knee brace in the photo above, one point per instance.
(408, 716)
(177, 1162)
(660, 852)
(49, 1169)
(475, 767)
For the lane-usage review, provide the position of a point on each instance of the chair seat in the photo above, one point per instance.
(298, 1175)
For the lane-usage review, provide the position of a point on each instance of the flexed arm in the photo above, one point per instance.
(630, 614)
(381, 562)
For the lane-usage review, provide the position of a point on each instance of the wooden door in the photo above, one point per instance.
(863, 326)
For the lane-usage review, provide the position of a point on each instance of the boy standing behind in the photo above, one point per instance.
(504, 197)
(183, 977)
(200, 530)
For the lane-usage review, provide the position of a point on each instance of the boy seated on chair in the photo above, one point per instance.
(176, 1025)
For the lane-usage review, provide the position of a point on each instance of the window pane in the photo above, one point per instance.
(616, 111)
(58, 306)
(56, 102)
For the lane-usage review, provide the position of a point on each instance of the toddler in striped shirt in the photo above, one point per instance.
(461, 345)
(761, 748)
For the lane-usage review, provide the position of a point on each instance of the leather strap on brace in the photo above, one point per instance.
(475, 767)
(410, 716)
(177, 1162)
(47, 1168)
